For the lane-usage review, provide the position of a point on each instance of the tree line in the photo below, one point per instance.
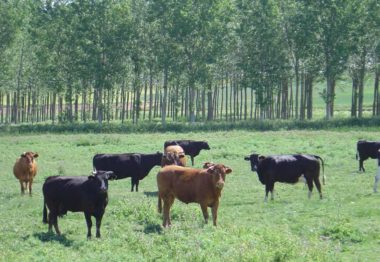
(170, 60)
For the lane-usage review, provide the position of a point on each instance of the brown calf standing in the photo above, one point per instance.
(190, 185)
(25, 169)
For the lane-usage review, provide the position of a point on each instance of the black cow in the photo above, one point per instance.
(134, 165)
(191, 147)
(286, 169)
(366, 149)
(377, 177)
(86, 194)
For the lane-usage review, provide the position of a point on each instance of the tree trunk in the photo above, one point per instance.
(165, 97)
(354, 96)
(210, 105)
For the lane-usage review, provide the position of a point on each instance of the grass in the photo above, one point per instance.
(344, 226)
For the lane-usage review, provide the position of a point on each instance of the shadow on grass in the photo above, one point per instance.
(153, 229)
(151, 194)
(50, 237)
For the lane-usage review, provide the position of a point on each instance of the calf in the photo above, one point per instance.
(25, 169)
(191, 147)
(76, 194)
(287, 169)
(190, 185)
(174, 152)
(366, 149)
(377, 177)
(134, 165)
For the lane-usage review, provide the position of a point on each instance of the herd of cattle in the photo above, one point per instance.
(88, 194)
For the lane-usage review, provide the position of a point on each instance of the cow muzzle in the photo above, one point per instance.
(220, 185)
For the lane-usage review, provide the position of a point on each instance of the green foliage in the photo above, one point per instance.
(371, 123)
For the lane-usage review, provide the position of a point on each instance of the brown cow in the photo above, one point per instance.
(25, 169)
(190, 185)
(178, 152)
(170, 158)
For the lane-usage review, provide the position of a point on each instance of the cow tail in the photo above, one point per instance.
(323, 169)
(44, 218)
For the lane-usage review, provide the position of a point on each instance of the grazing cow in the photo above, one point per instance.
(191, 147)
(190, 185)
(25, 169)
(377, 177)
(134, 165)
(176, 151)
(286, 169)
(76, 194)
(366, 149)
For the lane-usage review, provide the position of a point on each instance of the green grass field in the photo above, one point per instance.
(344, 226)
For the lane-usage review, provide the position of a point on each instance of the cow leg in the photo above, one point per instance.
(159, 204)
(168, 201)
(22, 187)
(89, 224)
(310, 185)
(137, 185)
(269, 187)
(377, 178)
(30, 186)
(361, 166)
(98, 224)
(214, 212)
(192, 160)
(135, 181)
(204, 211)
(318, 185)
(53, 220)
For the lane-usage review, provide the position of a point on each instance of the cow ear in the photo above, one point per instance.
(247, 158)
(227, 169)
(261, 158)
(91, 177)
(35, 155)
(23, 154)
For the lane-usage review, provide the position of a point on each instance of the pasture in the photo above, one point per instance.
(344, 226)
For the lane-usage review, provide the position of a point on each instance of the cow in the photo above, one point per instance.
(134, 165)
(170, 158)
(364, 150)
(190, 185)
(191, 147)
(377, 177)
(87, 194)
(287, 169)
(176, 152)
(25, 169)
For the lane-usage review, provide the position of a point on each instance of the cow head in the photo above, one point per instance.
(29, 157)
(218, 173)
(255, 159)
(204, 145)
(99, 180)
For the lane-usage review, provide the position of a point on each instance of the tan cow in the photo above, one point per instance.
(190, 185)
(178, 153)
(25, 169)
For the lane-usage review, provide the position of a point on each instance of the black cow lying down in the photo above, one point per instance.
(134, 165)
(191, 147)
(366, 149)
(86, 194)
(287, 169)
